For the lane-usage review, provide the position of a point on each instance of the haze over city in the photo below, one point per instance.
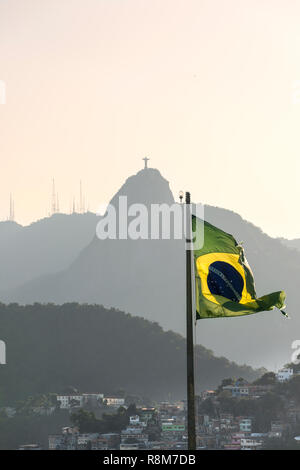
(208, 90)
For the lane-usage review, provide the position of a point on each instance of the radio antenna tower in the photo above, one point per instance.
(80, 199)
(54, 198)
(11, 209)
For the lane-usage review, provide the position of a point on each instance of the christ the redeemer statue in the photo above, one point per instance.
(146, 162)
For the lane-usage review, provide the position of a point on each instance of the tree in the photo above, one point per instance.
(268, 409)
(84, 420)
(267, 379)
(87, 422)
(293, 387)
(224, 383)
(207, 407)
(131, 410)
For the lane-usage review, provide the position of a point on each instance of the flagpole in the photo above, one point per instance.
(189, 334)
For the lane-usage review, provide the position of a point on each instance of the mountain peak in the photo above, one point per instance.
(147, 186)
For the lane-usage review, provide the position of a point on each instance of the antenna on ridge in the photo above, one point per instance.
(54, 198)
(82, 200)
(11, 209)
(81, 209)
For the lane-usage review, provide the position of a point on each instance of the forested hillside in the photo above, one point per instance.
(91, 348)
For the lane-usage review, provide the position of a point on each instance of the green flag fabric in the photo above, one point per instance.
(224, 280)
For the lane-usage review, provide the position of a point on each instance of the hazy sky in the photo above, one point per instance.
(205, 88)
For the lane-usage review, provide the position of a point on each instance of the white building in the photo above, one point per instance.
(284, 374)
(132, 430)
(92, 398)
(246, 425)
(238, 390)
(78, 400)
(62, 441)
(69, 401)
(111, 401)
(134, 419)
(251, 443)
(83, 439)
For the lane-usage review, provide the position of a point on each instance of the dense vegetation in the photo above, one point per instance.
(91, 348)
(86, 421)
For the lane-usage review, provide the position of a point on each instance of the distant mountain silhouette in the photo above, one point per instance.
(44, 247)
(51, 348)
(147, 278)
(291, 243)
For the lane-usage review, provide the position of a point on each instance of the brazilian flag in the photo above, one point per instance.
(224, 280)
